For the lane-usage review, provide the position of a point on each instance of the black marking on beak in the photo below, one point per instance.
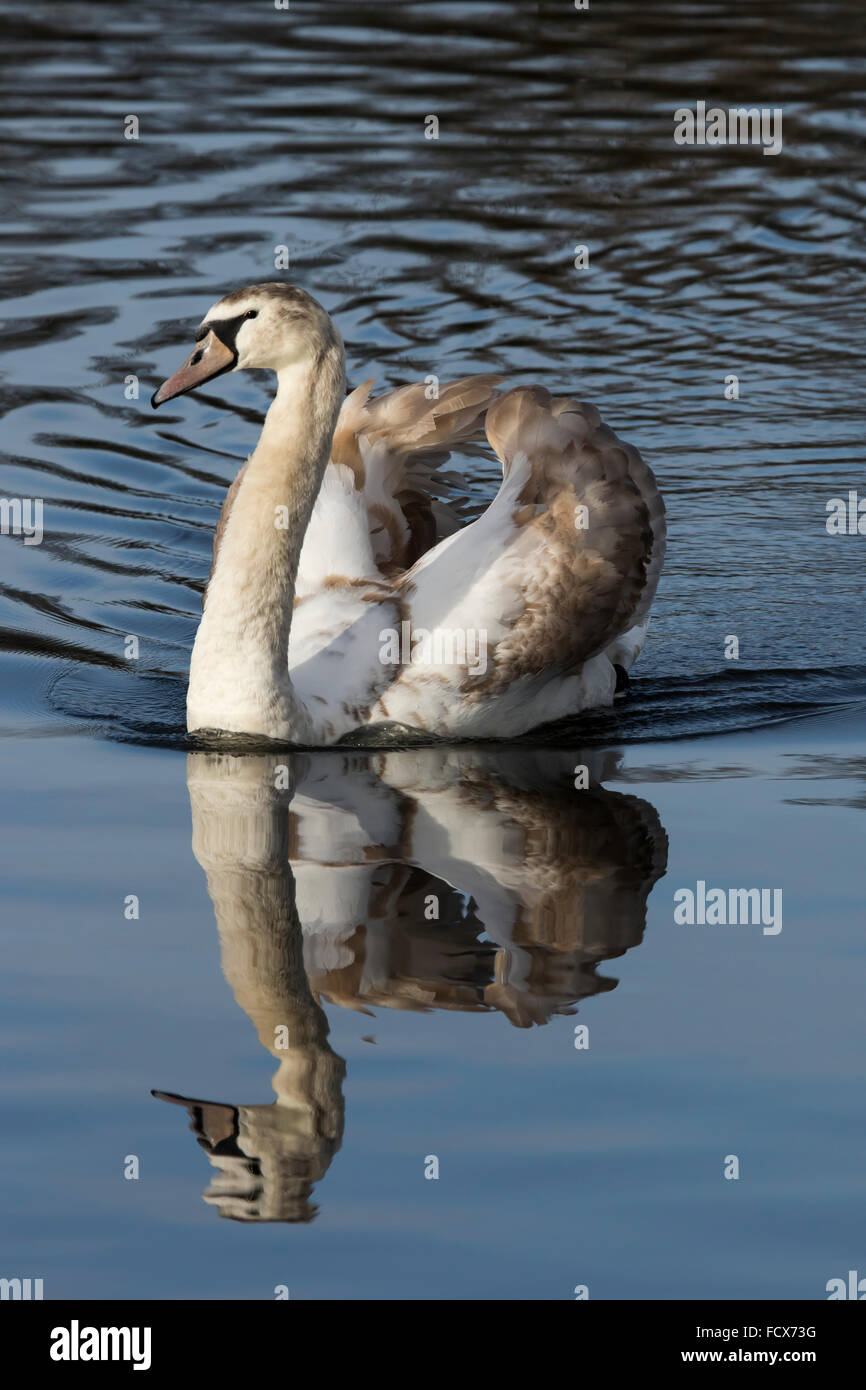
(226, 329)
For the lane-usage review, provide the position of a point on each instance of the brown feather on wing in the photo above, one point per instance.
(592, 578)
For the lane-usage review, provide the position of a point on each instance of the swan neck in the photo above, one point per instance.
(239, 679)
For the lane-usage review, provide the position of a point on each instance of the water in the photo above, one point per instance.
(559, 1166)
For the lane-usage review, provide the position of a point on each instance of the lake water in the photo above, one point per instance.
(335, 980)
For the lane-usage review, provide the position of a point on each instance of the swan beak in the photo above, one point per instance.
(210, 358)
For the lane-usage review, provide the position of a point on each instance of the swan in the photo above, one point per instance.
(331, 606)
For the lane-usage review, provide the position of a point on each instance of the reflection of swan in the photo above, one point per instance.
(467, 880)
(513, 621)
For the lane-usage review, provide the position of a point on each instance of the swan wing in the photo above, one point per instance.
(514, 614)
(366, 525)
(381, 515)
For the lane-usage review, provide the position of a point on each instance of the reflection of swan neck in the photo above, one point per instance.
(262, 959)
(240, 837)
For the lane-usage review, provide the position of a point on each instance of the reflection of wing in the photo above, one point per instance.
(344, 824)
(542, 860)
(557, 878)
(392, 955)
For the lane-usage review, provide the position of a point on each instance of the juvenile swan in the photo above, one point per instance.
(331, 604)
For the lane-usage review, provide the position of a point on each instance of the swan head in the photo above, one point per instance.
(274, 326)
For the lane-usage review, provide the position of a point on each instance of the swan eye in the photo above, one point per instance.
(251, 314)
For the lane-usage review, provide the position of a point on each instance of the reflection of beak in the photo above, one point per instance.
(210, 1121)
(209, 359)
